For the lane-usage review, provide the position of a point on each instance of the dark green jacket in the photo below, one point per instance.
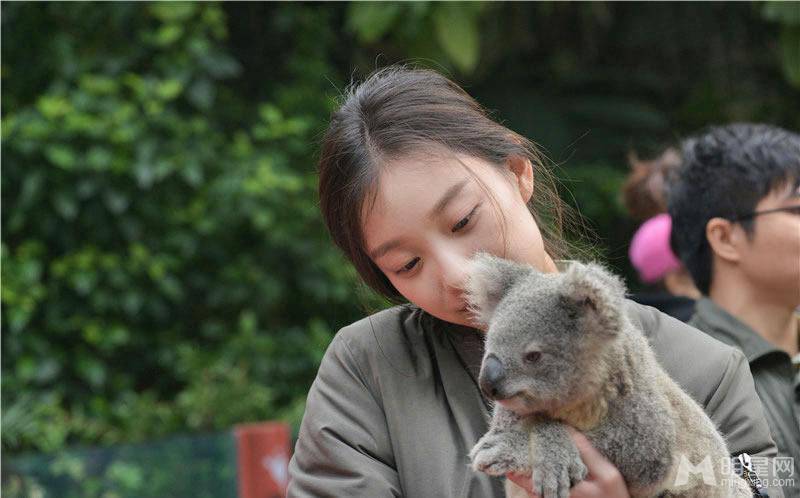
(395, 409)
(775, 377)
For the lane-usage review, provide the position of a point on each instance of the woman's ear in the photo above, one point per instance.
(724, 238)
(523, 172)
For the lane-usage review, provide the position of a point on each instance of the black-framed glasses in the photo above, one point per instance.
(748, 216)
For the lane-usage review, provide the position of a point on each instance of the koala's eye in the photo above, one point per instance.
(533, 356)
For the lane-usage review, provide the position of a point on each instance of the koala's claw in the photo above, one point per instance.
(499, 466)
(577, 471)
(554, 483)
(497, 455)
(553, 479)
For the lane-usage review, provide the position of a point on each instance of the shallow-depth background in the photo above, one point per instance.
(164, 266)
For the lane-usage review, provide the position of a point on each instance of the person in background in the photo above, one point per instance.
(644, 192)
(735, 206)
(644, 195)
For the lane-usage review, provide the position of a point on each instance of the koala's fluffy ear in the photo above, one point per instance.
(597, 293)
(490, 278)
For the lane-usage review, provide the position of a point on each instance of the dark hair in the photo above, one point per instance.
(725, 172)
(398, 111)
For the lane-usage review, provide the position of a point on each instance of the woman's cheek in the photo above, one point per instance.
(488, 238)
(418, 289)
(406, 290)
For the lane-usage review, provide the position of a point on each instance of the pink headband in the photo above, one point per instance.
(650, 252)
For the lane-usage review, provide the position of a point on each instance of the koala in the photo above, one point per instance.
(561, 351)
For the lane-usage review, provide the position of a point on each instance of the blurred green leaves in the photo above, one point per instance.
(164, 265)
(787, 15)
(458, 32)
(783, 12)
(201, 466)
(452, 28)
(371, 20)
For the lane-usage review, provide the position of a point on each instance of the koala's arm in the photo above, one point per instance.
(539, 447)
(505, 446)
(504, 420)
(555, 460)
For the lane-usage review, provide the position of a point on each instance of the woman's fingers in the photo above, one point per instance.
(523, 481)
(602, 481)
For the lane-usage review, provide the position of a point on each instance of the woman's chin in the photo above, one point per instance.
(463, 318)
(467, 320)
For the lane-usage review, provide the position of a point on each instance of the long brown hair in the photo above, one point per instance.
(398, 111)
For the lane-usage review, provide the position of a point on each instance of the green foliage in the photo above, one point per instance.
(199, 466)
(457, 31)
(787, 14)
(371, 20)
(593, 189)
(790, 54)
(782, 12)
(447, 33)
(163, 270)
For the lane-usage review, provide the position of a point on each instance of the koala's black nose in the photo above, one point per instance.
(492, 373)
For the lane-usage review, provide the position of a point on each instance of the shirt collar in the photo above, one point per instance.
(723, 323)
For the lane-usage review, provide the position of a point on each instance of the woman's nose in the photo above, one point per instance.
(454, 273)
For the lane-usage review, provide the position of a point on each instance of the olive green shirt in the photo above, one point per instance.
(394, 409)
(776, 380)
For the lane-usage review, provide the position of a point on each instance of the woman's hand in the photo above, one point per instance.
(603, 480)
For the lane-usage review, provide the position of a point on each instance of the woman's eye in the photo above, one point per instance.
(409, 266)
(464, 221)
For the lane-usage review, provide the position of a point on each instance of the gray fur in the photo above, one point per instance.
(596, 372)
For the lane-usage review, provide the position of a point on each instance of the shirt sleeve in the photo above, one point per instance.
(343, 448)
(736, 409)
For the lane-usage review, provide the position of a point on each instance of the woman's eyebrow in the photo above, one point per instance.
(437, 209)
(384, 248)
(448, 196)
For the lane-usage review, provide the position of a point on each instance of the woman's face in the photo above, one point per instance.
(430, 216)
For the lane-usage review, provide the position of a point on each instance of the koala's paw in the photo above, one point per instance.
(553, 477)
(497, 454)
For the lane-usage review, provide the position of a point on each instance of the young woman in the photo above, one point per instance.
(415, 178)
